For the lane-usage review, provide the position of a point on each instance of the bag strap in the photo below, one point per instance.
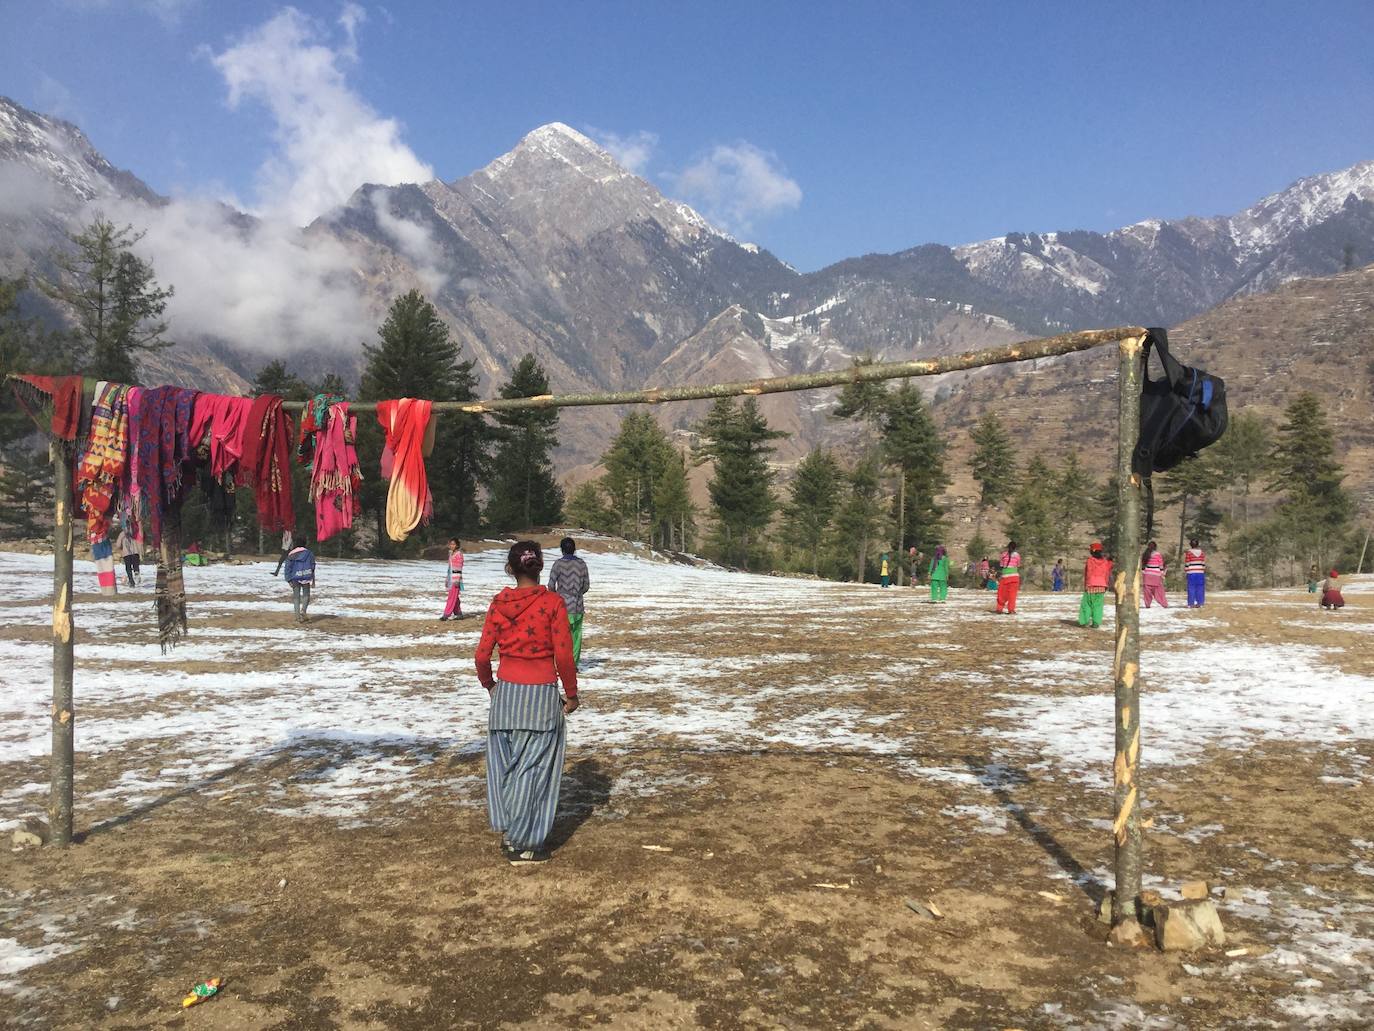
(1173, 368)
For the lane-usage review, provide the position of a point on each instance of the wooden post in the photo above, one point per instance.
(63, 630)
(1126, 665)
(1359, 566)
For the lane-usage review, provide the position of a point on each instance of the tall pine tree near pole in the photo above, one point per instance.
(737, 439)
(994, 465)
(416, 357)
(524, 492)
(913, 445)
(114, 297)
(814, 495)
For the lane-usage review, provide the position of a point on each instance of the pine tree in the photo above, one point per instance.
(114, 297)
(1072, 500)
(417, 358)
(634, 461)
(25, 493)
(1241, 458)
(276, 378)
(814, 495)
(859, 521)
(587, 508)
(1032, 521)
(672, 498)
(1190, 485)
(524, 491)
(736, 438)
(993, 464)
(912, 444)
(1316, 510)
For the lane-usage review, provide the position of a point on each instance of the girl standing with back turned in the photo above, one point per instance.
(528, 624)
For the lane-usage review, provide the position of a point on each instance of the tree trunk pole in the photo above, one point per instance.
(1126, 664)
(901, 524)
(63, 717)
(1359, 568)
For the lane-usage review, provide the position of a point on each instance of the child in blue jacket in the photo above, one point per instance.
(300, 574)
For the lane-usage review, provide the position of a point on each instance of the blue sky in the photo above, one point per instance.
(818, 130)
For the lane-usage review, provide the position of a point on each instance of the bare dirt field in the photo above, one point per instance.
(763, 773)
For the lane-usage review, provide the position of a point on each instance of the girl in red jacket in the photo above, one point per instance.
(528, 624)
(1097, 573)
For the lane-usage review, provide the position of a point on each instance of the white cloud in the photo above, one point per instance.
(631, 152)
(263, 285)
(415, 241)
(736, 184)
(330, 141)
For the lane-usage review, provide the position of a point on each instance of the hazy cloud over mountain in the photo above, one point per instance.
(736, 184)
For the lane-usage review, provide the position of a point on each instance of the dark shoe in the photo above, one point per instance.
(528, 857)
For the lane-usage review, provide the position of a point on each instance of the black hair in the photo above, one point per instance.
(1011, 545)
(1193, 542)
(525, 558)
(567, 545)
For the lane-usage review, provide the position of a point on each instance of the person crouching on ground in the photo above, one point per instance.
(1331, 592)
(1152, 576)
(1195, 570)
(939, 575)
(453, 609)
(300, 574)
(569, 579)
(1009, 579)
(1097, 573)
(528, 624)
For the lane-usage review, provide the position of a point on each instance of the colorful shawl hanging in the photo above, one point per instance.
(219, 422)
(265, 465)
(62, 392)
(409, 434)
(102, 552)
(100, 464)
(336, 479)
(314, 421)
(163, 432)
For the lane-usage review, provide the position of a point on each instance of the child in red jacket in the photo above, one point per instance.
(528, 624)
(1097, 573)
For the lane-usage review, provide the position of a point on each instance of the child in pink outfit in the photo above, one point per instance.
(454, 581)
(1152, 576)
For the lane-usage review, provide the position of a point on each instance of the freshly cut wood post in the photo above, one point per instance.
(63, 632)
(1126, 665)
(1045, 347)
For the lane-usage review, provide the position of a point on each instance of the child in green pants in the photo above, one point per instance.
(1097, 571)
(939, 575)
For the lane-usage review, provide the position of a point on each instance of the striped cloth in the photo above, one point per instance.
(525, 741)
(1194, 561)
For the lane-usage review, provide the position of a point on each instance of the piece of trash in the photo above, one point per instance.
(709, 855)
(281, 883)
(920, 910)
(655, 848)
(934, 909)
(827, 884)
(1233, 953)
(1058, 900)
(205, 990)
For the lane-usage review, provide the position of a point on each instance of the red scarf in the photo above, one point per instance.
(265, 463)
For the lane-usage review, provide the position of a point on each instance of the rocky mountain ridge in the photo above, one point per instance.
(555, 249)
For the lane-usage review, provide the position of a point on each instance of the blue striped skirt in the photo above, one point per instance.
(525, 740)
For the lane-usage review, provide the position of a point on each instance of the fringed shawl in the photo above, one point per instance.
(265, 465)
(408, 501)
(100, 465)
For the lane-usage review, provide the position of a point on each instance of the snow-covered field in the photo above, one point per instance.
(701, 660)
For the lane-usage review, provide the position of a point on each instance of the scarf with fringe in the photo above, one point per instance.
(335, 479)
(409, 437)
(101, 462)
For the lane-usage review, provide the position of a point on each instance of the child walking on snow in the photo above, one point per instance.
(939, 575)
(1195, 569)
(454, 581)
(1097, 573)
(1009, 579)
(300, 574)
(1152, 576)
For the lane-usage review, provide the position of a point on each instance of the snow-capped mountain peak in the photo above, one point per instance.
(1305, 203)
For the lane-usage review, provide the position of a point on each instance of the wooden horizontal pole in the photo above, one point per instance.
(1026, 350)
